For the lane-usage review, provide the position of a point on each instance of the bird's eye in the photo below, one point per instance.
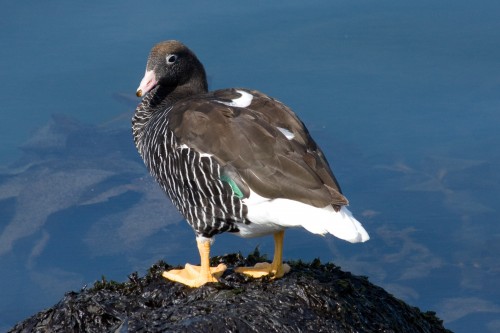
(171, 58)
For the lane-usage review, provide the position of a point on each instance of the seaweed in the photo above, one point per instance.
(313, 297)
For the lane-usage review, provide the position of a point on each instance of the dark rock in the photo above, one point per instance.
(313, 297)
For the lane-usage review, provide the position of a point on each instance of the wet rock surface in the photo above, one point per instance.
(313, 297)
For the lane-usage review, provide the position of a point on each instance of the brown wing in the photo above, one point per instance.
(253, 151)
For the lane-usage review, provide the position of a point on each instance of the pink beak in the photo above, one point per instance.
(147, 83)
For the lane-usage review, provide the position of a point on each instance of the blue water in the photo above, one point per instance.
(403, 98)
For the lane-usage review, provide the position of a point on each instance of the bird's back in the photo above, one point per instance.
(208, 152)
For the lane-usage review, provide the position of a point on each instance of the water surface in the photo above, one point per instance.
(402, 97)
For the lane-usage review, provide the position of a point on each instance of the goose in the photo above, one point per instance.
(233, 160)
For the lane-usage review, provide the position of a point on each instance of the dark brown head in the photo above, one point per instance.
(171, 64)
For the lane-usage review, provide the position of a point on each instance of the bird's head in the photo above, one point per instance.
(172, 65)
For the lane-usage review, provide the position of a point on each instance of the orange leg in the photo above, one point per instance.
(276, 268)
(196, 276)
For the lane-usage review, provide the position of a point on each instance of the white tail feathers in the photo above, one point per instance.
(268, 215)
(346, 227)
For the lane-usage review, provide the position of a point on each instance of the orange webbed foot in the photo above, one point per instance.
(263, 269)
(195, 276)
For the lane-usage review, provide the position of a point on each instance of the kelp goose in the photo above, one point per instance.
(232, 160)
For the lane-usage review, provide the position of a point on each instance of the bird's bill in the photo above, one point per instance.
(147, 83)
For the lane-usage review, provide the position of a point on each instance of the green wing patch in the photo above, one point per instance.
(233, 185)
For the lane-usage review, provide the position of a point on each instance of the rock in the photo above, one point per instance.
(313, 297)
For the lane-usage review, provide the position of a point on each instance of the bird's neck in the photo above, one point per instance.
(162, 98)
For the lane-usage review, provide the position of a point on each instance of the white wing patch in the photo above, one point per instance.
(289, 135)
(241, 102)
(184, 146)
